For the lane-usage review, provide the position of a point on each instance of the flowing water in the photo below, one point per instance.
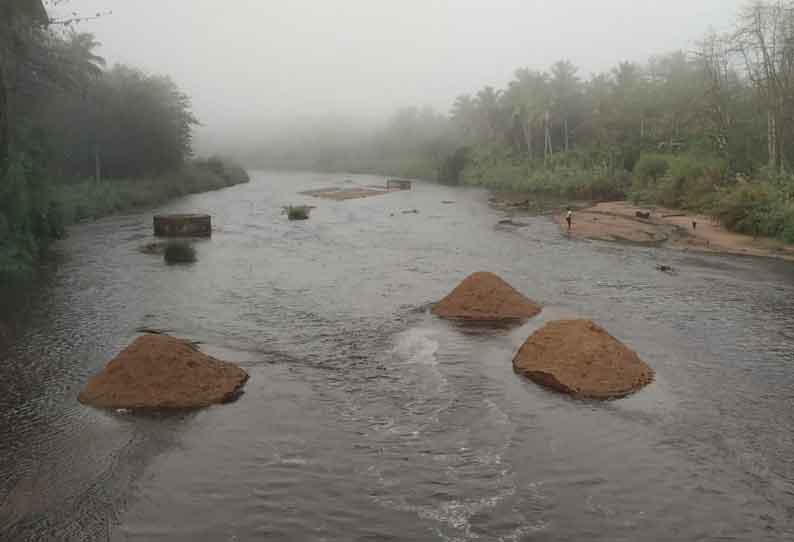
(365, 417)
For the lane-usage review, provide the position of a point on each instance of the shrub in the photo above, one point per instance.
(179, 252)
(756, 209)
(685, 180)
(452, 168)
(297, 212)
(651, 167)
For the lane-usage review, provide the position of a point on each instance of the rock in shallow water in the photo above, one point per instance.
(163, 372)
(183, 225)
(580, 358)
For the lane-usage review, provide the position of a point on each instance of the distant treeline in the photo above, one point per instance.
(65, 118)
(710, 129)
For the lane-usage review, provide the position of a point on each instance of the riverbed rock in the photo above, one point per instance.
(163, 372)
(580, 358)
(484, 296)
(183, 225)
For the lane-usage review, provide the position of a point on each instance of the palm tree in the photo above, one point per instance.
(565, 87)
(79, 55)
(464, 114)
(527, 97)
(487, 106)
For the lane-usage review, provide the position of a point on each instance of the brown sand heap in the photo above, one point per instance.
(162, 372)
(485, 296)
(580, 358)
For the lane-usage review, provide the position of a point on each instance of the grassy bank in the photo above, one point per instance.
(89, 200)
(72, 202)
(568, 177)
(761, 205)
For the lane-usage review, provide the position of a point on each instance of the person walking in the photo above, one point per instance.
(569, 219)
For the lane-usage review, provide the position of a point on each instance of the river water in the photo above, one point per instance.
(365, 417)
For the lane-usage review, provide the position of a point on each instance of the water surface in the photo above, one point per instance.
(368, 419)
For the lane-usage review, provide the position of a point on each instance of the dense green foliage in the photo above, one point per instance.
(89, 200)
(709, 130)
(79, 141)
(179, 251)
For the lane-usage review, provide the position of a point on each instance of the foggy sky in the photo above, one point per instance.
(246, 60)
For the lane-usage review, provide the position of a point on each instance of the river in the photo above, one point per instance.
(368, 419)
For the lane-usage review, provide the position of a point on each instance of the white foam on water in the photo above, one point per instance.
(417, 346)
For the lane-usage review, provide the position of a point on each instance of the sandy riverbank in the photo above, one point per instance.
(618, 221)
(342, 194)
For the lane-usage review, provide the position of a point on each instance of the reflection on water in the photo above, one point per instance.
(368, 419)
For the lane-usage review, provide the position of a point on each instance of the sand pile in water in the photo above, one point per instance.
(485, 296)
(162, 372)
(580, 358)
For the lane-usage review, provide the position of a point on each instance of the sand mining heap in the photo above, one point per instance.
(162, 372)
(486, 297)
(579, 358)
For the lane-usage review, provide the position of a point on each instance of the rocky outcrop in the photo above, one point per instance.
(579, 358)
(163, 372)
(183, 225)
(485, 297)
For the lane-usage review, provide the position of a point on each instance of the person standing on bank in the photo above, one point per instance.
(569, 219)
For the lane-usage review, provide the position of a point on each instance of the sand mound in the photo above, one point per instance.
(485, 296)
(162, 372)
(580, 358)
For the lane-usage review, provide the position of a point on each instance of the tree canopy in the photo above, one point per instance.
(65, 116)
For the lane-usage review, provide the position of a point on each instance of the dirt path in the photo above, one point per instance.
(618, 221)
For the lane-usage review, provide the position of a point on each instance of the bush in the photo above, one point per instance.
(297, 212)
(230, 173)
(688, 181)
(452, 168)
(651, 167)
(179, 252)
(753, 209)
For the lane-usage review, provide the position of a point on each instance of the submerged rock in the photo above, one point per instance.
(484, 296)
(580, 358)
(163, 372)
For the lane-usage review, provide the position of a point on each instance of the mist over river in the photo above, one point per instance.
(365, 417)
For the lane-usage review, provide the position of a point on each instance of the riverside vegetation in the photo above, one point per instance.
(707, 130)
(179, 251)
(79, 140)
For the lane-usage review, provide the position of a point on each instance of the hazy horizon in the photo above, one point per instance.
(263, 62)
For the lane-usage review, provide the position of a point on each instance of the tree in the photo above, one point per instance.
(464, 115)
(765, 41)
(566, 93)
(19, 22)
(527, 97)
(488, 113)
